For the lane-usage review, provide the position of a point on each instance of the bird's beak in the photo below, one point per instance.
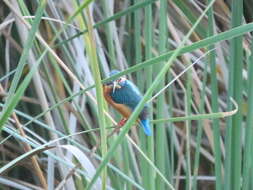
(115, 83)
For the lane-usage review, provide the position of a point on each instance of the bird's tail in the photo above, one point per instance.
(146, 128)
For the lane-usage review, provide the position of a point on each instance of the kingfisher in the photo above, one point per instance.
(124, 96)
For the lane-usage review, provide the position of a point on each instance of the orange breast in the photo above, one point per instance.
(121, 108)
(124, 110)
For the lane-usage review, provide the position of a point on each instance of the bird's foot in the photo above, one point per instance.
(116, 130)
(122, 122)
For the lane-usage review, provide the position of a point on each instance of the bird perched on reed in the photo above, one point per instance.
(124, 96)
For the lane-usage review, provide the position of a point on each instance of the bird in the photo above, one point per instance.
(124, 96)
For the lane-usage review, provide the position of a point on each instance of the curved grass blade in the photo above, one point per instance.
(200, 116)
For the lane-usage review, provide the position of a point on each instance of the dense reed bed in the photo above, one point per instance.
(192, 60)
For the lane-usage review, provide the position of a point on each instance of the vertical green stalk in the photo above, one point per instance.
(250, 176)
(139, 76)
(215, 106)
(91, 49)
(137, 40)
(160, 128)
(248, 166)
(233, 166)
(109, 33)
(126, 162)
(200, 129)
(188, 99)
(148, 35)
(171, 161)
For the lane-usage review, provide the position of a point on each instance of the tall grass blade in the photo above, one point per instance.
(233, 148)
